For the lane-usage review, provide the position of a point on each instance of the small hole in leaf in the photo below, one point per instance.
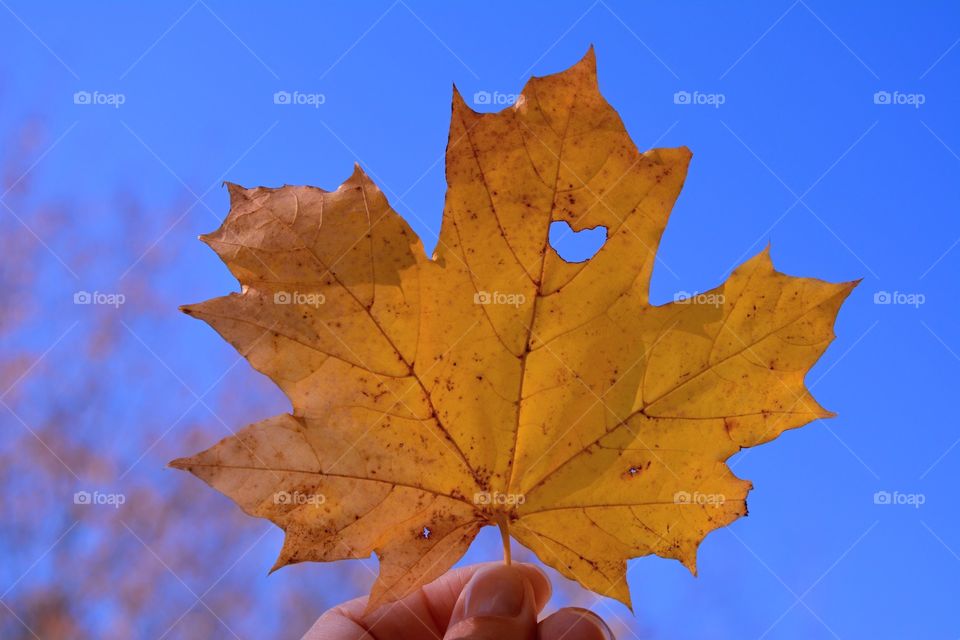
(576, 246)
(425, 533)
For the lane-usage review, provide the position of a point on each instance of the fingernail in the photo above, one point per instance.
(590, 625)
(496, 591)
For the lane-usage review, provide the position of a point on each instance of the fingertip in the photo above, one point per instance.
(542, 589)
(574, 623)
(336, 625)
(498, 602)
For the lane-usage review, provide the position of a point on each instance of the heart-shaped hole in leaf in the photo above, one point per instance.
(576, 246)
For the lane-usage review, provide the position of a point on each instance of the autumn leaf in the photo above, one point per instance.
(497, 384)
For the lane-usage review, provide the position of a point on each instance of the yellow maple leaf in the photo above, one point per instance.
(497, 384)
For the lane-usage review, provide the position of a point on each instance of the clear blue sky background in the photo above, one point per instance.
(800, 155)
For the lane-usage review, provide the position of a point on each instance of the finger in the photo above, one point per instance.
(424, 614)
(574, 623)
(498, 603)
(335, 625)
(443, 593)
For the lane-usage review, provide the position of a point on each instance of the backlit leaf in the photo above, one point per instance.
(495, 383)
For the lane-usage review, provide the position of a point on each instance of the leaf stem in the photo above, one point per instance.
(504, 525)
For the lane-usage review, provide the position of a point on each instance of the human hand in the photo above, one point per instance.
(490, 601)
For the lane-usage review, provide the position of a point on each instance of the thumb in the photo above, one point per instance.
(497, 604)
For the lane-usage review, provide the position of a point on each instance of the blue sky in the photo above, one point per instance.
(827, 130)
